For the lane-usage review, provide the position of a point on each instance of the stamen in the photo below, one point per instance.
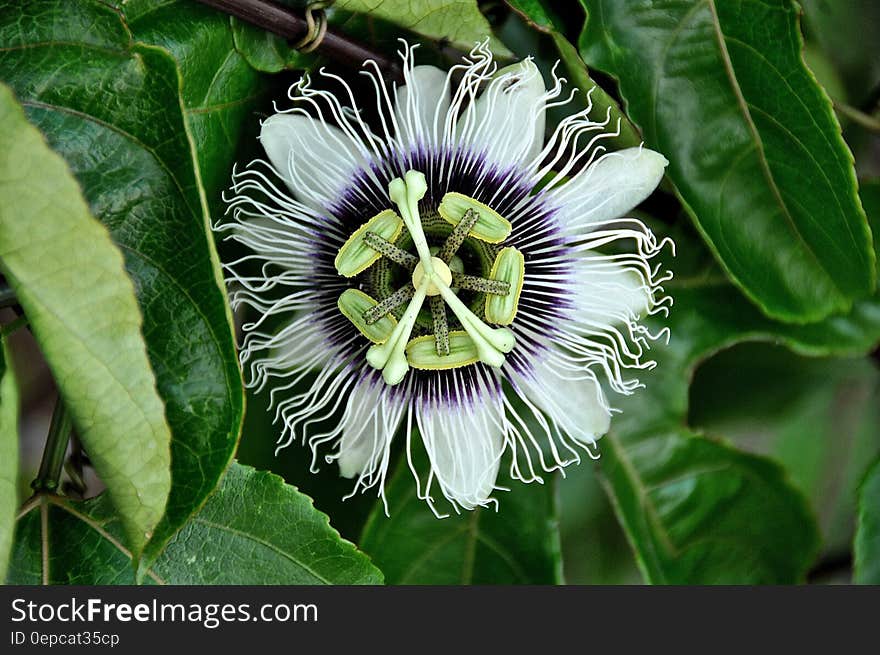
(509, 267)
(354, 304)
(355, 256)
(490, 227)
(441, 326)
(390, 357)
(389, 250)
(421, 352)
(391, 303)
(459, 234)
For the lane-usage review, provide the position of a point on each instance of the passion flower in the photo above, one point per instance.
(444, 269)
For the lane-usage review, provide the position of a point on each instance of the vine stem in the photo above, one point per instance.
(55, 451)
(860, 117)
(281, 21)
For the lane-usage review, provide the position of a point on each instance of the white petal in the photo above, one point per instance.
(464, 444)
(314, 159)
(507, 120)
(421, 106)
(371, 418)
(607, 292)
(610, 187)
(576, 404)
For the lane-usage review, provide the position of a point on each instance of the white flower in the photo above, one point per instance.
(444, 268)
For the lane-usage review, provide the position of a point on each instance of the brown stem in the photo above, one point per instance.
(283, 22)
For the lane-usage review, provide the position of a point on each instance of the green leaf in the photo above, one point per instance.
(693, 507)
(269, 52)
(219, 89)
(817, 417)
(699, 512)
(69, 278)
(114, 107)
(254, 530)
(8, 455)
(538, 14)
(457, 21)
(258, 530)
(664, 478)
(755, 150)
(867, 544)
(63, 542)
(517, 544)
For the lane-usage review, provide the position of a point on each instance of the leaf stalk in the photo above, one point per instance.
(49, 475)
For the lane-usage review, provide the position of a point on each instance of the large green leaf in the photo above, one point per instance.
(867, 545)
(70, 279)
(676, 492)
(219, 88)
(755, 150)
(691, 506)
(259, 530)
(700, 512)
(254, 530)
(517, 544)
(817, 417)
(219, 94)
(8, 455)
(457, 21)
(112, 106)
(664, 478)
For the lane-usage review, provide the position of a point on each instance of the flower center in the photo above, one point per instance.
(436, 276)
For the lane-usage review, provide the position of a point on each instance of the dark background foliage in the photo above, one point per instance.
(750, 457)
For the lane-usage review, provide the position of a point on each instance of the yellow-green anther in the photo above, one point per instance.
(390, 357)
(421, 354)
(356, 256)
(354, 304)
(406, 193)
(490, 226)
(509, 267)
(491, 343)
